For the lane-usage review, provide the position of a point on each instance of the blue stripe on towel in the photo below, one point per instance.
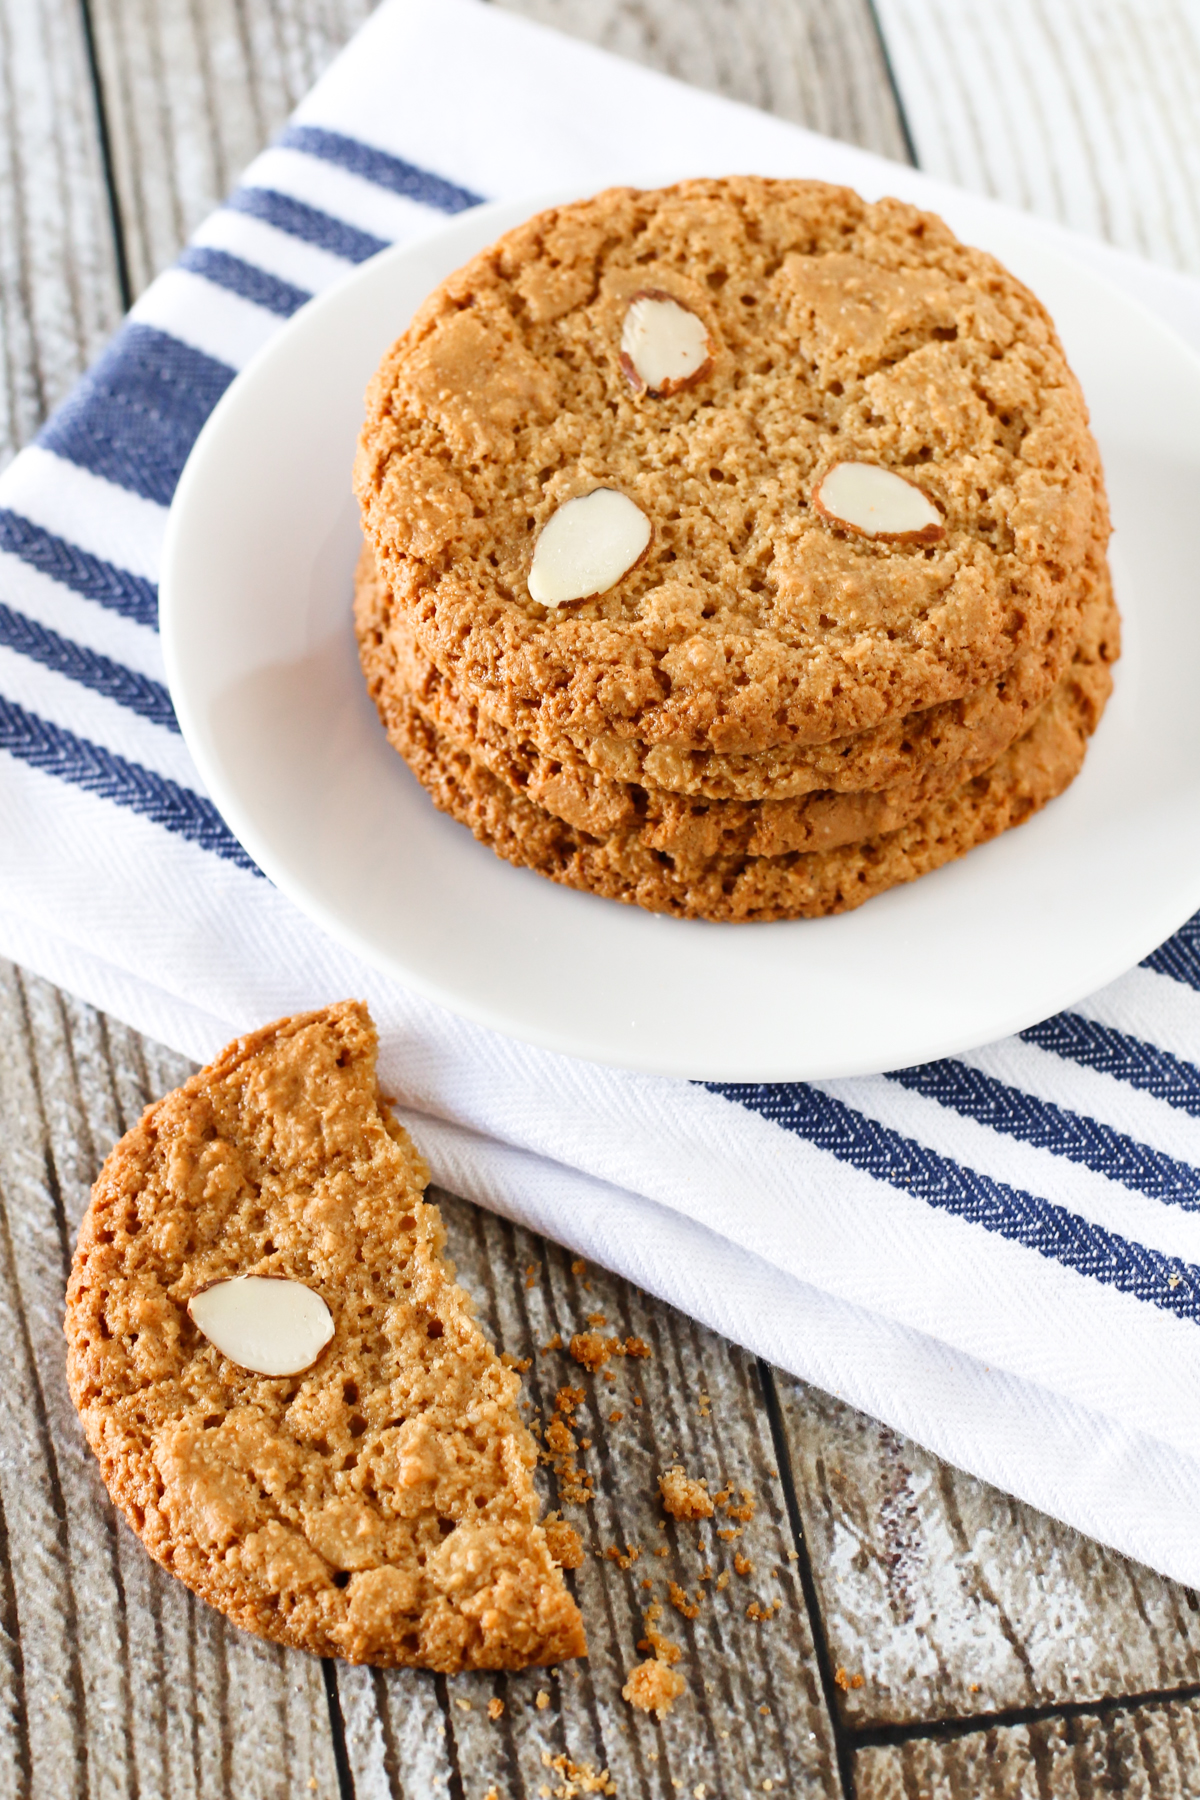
(1048, 1127)
(110, 777)
(138, 693)
(1129, 1059)
(307, 223)
(130, 595)
(1053, 1231)
(244, 279)
(135, 415)
(381, 167)
(1179, 957)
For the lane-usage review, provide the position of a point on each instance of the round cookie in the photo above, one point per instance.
(748, 888)
(378, 1506)
(694, 830)
(839, 331)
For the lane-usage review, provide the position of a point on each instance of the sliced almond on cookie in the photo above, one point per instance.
(586, 547)
(664, 346)
(877, 503)
(270, 1326)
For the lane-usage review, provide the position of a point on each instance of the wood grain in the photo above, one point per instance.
(953, 1599)
(113, 1673)
(816, 62)
(1143, 1753)
(114, 1680)
(1087, 111)
(193, 93)
(59, 291)
(754, 1710)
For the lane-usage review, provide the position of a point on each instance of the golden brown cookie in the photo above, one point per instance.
(378, 1506)
(624, 866)
(839, 332)
(697, 828)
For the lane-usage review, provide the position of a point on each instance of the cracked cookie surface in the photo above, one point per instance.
(840, 330)
(378, 1507)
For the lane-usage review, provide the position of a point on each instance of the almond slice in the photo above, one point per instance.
(268, 1325)
(586, 547)
(664, 346)
(878, 503)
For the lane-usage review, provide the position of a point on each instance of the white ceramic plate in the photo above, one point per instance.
(261, 660)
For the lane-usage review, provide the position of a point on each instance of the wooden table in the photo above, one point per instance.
(933, 1636)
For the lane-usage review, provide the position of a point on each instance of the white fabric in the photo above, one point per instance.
(1000, 1258)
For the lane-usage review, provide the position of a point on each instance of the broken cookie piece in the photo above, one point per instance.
(377, 1503)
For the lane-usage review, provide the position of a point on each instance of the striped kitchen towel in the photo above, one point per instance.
(999, 1254)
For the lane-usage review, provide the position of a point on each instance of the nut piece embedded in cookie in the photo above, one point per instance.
(664, 346)
(878, 503)
(270, 1326)
(586, 547)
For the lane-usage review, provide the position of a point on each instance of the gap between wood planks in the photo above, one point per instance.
(104, 138)
(848, 1738)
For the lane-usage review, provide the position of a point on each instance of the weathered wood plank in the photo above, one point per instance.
(816, 62)
(952, 1599)
(193, 93)
(59, 292)
(754, 1710)
(1143, 1753)
(116, 1681)
(1087, 111)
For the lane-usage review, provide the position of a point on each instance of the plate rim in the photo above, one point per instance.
(225, 794)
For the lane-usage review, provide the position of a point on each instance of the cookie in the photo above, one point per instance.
(740, 888)
(757, 616)
(379, 1504)
(692, 828)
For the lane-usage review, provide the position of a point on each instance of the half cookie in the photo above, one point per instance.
(377, 1504)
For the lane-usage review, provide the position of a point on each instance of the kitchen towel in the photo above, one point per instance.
(997, 1254)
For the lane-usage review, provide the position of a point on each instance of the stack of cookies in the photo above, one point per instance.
(736, 550)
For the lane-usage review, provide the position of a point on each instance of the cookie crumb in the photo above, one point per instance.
(554, 1344)
(578, 1778)
(623, 1561)
(654, 1640)
(744, 1512)
(542, 1700)
(846, 1682)
(722, 1581)
(761, 1614)
(495, 1708)
(596, 1319)
(566, 1545)
(683, 1497)
(574, 1485)
(615, 1416)
(681, 1603)
(742, 1564)
(579, 1267)
(591, 1350)
(531, 1275)
(653, 1687)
